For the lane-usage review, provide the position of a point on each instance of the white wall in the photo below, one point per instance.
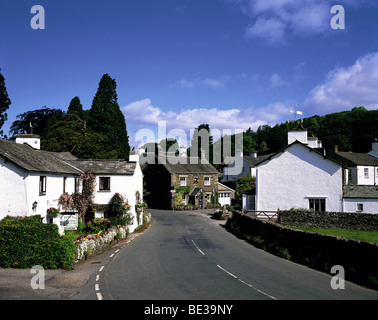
(370, 205)
(126, 185)
(290, 178)
(13, 197)
(54, 189)
(371, 180)
(19, 189)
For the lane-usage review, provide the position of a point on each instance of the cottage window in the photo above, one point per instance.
(183, 181)
(207, 181)
(42, 185)
(317, 204)
(104, 183)
(366, 173)
(360, 207)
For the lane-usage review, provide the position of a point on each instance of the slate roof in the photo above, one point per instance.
(361, 159)
(252, 161)
(361, 192)
(306, 146)
(186, 166)
(107, 166)
(34, 160)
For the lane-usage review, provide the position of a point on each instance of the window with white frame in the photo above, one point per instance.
(317, 204)
(207, 181)
(366, 173)
(360, 207)
(183, 181)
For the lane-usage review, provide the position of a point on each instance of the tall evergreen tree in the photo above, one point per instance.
(106, 118)
(76, 107)
(4, 103)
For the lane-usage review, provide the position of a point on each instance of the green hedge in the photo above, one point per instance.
(26, 242)
(315, 250)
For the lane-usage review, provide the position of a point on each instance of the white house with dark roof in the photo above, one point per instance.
(361, 199)
(299, 176)
(361, 168)
(32, 180)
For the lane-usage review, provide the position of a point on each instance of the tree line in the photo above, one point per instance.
(97, 133)
(100, 132)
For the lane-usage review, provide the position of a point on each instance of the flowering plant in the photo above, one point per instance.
(52, 212)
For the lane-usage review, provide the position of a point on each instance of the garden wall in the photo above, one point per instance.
(315, 250)
(332, 220)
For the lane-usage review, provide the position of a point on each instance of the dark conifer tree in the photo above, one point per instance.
(106, 118)
(4, 103)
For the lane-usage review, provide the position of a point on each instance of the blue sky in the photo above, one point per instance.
(233, 64)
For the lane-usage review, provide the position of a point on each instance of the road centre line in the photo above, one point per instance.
(247, 284)
(198, 248)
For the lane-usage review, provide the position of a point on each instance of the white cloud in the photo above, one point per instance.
(276, 80)
(344, 88)
(213, 83)
(142, 114)
(274, 20)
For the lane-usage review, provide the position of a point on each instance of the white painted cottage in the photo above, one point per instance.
(32, 180)
(299, 176)
(302, 176)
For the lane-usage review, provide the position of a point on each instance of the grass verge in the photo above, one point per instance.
(369, 236)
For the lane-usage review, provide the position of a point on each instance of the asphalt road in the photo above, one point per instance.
(187, 256)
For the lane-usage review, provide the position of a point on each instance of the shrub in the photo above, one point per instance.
(26, 242)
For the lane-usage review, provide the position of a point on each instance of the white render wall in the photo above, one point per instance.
(372, 175)
(54, 189)
(291, 178)
(370, 205)
(13, 196)
(126, 185)
(19, 189)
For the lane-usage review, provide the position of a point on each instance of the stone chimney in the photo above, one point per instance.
(33, 140)
(133, 156)
(182, 151)
(294, 135)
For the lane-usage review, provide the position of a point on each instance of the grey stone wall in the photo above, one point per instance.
(332, 220)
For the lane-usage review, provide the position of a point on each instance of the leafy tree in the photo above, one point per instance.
(169, 144)
(106, 118)
(245, 185)
(4, 103)
(41, 121)
(70, 135)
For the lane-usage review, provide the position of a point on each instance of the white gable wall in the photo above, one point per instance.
(54, 189)
(12, 190)
(290, 179)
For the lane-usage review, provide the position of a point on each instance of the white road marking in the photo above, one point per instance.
(101, 269)
(247, 284)
(99, 296)
(198, 248)
(97, 287)
(232, 275)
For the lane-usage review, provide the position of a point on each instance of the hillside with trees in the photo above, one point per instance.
(352, 130)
